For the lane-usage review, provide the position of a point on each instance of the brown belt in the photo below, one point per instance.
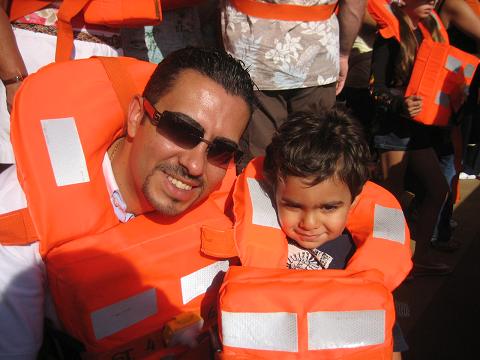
(113, 41)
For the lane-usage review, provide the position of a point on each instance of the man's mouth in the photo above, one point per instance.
(178, 184)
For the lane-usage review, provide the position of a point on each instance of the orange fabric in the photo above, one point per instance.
(475, 5)
(16, 228)
(21, 8)
(118, 13)
(284, 11)
(93, 262)
(431, 75)
(260, 290)
(266, 247)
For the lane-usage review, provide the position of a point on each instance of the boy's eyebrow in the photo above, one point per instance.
(328, 203)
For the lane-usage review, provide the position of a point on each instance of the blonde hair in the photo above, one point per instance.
(409, 46)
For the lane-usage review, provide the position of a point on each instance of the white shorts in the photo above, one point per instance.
(37, 50)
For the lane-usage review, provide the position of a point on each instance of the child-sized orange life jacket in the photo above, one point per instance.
(268, 311)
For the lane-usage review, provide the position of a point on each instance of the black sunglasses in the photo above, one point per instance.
(187, 134)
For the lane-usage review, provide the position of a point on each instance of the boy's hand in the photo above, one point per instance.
(413, 104)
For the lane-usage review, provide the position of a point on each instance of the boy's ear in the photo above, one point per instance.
(135, 115)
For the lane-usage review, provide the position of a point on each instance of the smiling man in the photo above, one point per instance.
(180, 138)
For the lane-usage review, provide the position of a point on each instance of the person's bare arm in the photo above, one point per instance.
(350, 17)
(462, 16)
(11, 62)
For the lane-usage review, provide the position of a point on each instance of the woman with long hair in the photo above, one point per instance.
(402, 142)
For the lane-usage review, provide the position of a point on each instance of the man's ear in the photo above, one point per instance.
(135, 115)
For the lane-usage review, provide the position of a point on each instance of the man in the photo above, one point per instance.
(180, 136)
(297, 52)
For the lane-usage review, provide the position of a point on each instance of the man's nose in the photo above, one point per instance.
(194, 159)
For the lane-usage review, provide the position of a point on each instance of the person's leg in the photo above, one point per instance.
(426, 168)
(270, 113)
(393, 165)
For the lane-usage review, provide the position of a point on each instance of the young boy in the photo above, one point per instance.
(316, 166)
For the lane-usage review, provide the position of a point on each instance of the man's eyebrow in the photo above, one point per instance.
(227, 140)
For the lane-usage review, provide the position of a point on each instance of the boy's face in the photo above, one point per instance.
(312, 215)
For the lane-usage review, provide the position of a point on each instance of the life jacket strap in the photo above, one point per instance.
(218, 243)
(16, 228)
(285, 12)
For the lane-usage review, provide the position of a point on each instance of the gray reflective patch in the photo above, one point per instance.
(389, 224)
(260, 331)
(264, 213)
(345, 329)
(198, 282)
(442, 99)
(65, 151)
(124, 313)
(469, 70)
(453, 64)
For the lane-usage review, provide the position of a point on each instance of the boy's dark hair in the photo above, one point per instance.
(216, 64)
(321, 146)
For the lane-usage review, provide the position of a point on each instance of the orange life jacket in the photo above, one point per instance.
(441, 73)
(114, 285)
(287, 12)
(269, 311)
(119, 13)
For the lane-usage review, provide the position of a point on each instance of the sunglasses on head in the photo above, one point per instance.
(187, 133)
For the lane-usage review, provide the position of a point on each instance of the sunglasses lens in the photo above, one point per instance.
(221, 152)
(179, 131)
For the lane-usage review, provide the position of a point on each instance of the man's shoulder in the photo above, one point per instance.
(12, 196)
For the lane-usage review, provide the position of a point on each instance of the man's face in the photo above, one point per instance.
(312, 215)
(170, 176)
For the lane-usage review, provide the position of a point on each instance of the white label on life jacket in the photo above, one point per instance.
(389, 224)
(260, 331)
(198, 282)
(65, 151)
(264, 213)
(122, 314)
(345, 329)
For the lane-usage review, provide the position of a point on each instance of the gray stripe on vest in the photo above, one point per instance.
(124, 313)
(469, 70)
(389, 224)
(260, 331)
(442, 99)
(345, 329)
(264, 213)
(453, 64)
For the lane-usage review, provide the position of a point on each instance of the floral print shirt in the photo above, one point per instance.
(283, 54)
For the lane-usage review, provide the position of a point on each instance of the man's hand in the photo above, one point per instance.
(413, 104)
(342, 75)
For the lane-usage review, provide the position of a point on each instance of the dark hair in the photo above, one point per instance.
(216, 64)
(408, 46)
(324, 145)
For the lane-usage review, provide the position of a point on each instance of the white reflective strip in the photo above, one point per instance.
(389, 224)
(453, 64)
(442, 99)
(345, 329)
(122, 314)
(469, 70)
(264, 213)
(65, 151)
(198, 282)
(260, 331)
